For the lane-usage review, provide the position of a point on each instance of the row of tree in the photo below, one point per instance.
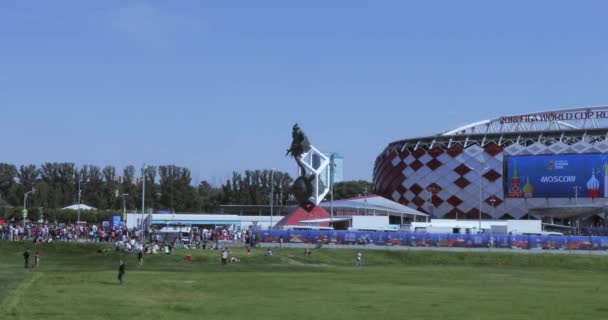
(57, 185)
(168, 187)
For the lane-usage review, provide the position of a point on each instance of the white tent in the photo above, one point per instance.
(79, 206)
(373, 203)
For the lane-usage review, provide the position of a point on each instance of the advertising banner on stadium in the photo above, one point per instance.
(556, 176)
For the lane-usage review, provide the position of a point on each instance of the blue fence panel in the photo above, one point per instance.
(535, 242)
(518, 241)
(379, 238)
(600, 243)
(544, 242)
(499, 241)
(480, 240)
(579, 243)
(552, 242)
(394, 238)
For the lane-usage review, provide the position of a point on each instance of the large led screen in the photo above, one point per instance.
(556, 176)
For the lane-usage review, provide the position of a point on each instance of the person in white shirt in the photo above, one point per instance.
(224, 256)
(358, 261)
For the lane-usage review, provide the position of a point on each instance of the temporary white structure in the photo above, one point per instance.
(372, 204)
(79, 206)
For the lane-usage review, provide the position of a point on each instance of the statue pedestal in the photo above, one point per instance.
(309, 212)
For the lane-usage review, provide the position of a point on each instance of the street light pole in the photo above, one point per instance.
(271, 195)
(365, 199)
(143, 199)
(481, 194)
(79, 193)
(331, 189)
(431, 191)
(492, 201)
(25, 205)
(124, 206)
(576, 188)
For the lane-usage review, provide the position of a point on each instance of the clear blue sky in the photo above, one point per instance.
(216, 85)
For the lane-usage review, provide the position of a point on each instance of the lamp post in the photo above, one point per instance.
(25, 205)
(431, 191)
(79, 193)
(143, 199)
(365, 199)
(493, 200)
(576, 189)
(331, 190)
(124, 206)
(271, 195)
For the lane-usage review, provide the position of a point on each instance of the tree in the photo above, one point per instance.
(128, 186)
(57, 186)
(254, 187)
(209, 198)
(8, 173)
(93, 192)
(66, 184)
(110, 188)
(177, 194)
(351, 189)
(60, 179)
(151, 187)
(28, 175)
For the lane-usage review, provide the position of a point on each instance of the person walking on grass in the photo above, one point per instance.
(121, 273)
(224, 256)
(140, 258)
(358, 261)
(26, 260)
(37, 259)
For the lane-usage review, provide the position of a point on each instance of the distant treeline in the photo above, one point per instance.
(168, 187)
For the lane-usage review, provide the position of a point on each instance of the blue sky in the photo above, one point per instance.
(217, 85)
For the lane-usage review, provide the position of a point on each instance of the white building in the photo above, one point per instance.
(227, 220)
(472, 226)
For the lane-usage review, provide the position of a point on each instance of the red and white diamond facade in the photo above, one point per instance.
(460, 172)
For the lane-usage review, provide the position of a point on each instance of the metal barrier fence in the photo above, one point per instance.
(545, 242)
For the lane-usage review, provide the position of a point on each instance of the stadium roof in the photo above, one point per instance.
(565, 125)
(373, 203)
(556, 120)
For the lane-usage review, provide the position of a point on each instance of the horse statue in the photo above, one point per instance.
(302, 187)
(299, 146)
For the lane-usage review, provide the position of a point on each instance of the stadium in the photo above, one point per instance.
(546, 164)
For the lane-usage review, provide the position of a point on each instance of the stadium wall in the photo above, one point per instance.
(448, 180)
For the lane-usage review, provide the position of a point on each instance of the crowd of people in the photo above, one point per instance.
(49, 232)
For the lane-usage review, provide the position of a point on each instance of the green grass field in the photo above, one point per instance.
(76, 282)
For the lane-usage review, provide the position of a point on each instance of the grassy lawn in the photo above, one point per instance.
(76, 282)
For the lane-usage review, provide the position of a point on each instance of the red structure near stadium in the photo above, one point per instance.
(465, 172)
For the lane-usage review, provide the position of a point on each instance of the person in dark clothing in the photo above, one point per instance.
(26, 259)
(140, 258)
(121, 273)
